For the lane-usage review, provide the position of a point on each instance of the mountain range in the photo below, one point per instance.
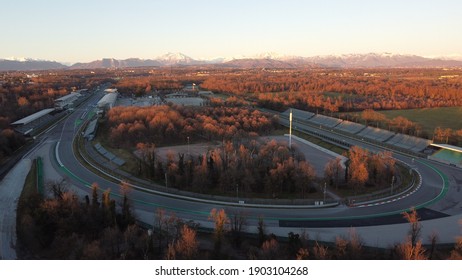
(265, 60)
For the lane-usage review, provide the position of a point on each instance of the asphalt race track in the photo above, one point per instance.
(437, 199)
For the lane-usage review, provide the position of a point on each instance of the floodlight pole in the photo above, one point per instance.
(290, 129)
(392, 181)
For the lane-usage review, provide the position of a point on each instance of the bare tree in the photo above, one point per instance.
(238, 224)
(270, 250)
(187, 246)
(57, 188)
(433, 238)
(407, 251)
(341, 246)
(357, 171)
(127, 215)
(94, 195)
(221, 222)
(261, 230)
(355, 245)
(320, 251)
(414, 232)
(333, 171)
(303, 254)
(159, 223)
(171, 252)
(456, 253)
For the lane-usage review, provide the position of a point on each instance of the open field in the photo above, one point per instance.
(429, 119)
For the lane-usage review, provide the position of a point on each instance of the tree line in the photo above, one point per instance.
(384, 90)
(366, 168)
(403, 125)
(65, 226)
(162, 125)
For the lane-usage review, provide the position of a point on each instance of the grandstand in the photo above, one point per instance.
(376, 134)
(298, 114)
(350, 127)
(28, 124)
(412, 143)
(90, 131)
(66, 101)
(398, 140)
(325, 121)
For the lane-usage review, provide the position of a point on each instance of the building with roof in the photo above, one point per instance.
(90, 131)
(27, 124)
(448, 154)
(107, 101)
(66, 101)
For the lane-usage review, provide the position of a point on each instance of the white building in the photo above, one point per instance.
(108, 101)
(67, 100)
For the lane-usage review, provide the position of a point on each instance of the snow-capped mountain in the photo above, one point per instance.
(371, 60)
(175, 58)
(115, 63)
(455, 56)
(21, 59)
(263, 60)
(163, 60)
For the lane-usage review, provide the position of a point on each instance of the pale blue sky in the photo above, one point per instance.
(86, 30)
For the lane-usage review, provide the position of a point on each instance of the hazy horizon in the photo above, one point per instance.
(91, 30)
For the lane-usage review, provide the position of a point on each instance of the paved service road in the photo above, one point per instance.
(10, 190)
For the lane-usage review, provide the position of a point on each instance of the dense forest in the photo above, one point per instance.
(326, 90)
(173, 124)
(251, 166)
(355, 89)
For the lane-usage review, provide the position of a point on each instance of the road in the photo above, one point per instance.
(10, 190)
(438, 198)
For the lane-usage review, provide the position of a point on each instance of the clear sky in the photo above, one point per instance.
(85, 30)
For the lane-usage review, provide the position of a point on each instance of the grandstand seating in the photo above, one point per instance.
(325, 121)
(376, 134)
(409, 142)
(398, 140)
(350, 127)
(298, 114)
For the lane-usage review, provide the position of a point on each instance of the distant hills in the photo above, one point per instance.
(29, 64)
(266, 60)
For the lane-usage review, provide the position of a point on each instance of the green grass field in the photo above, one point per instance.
(429, 119)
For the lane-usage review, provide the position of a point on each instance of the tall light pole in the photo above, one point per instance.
(324, 192)
(290, 129)
(392, 181)
(166, 180)
(188, 145)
